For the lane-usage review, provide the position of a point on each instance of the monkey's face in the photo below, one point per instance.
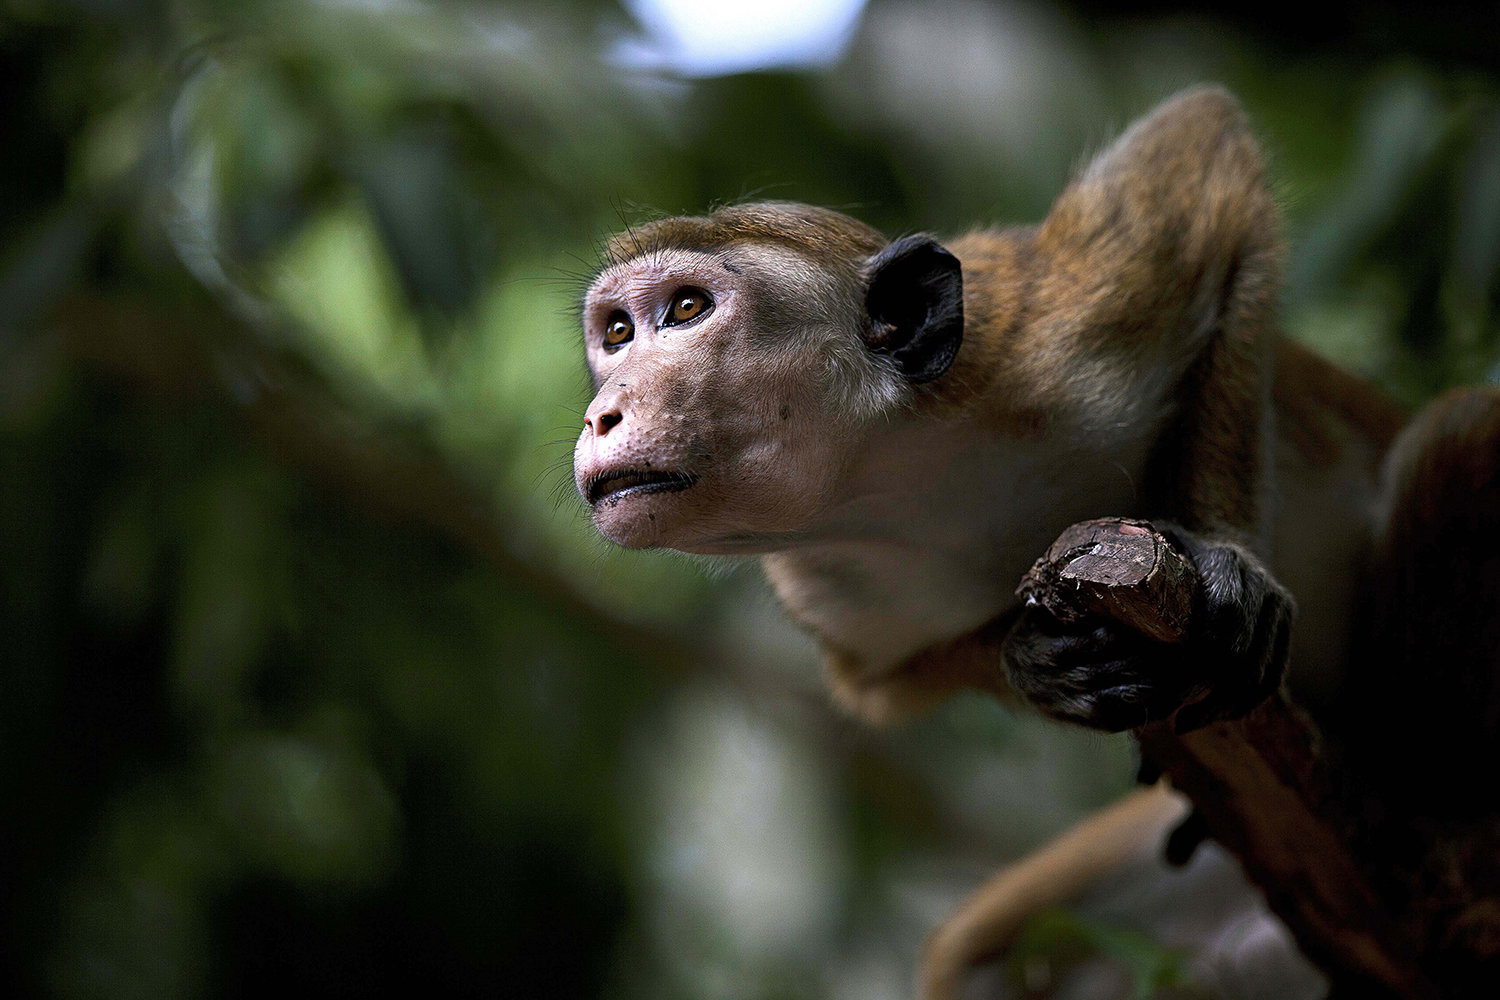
(740, 362)
(722, 416)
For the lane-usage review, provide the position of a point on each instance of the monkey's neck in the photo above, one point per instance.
(938, 524)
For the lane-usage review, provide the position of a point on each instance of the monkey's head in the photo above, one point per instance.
(737, 360)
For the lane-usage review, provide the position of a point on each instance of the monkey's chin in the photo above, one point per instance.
(640, 519)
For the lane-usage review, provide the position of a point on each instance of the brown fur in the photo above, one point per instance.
(1141, 308)
(1156, 271)
(1190, 220)
(1133, 328)
(829, 237)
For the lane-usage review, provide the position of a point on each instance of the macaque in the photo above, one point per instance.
(898, 429)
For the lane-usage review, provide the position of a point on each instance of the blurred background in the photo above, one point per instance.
(314, 672)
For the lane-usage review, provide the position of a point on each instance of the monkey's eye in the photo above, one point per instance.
(687, 305)
(618, 330)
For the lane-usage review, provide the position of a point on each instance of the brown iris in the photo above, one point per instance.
(618, 330)
(688, 304)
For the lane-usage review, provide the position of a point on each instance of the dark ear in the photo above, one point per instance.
(915, 302)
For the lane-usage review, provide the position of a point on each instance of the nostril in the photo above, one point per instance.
(604, 421)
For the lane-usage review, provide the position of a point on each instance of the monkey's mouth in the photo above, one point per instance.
(617, 483)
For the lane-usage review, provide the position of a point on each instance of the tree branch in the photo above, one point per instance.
(1262, 784)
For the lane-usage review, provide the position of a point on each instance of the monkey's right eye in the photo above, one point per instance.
(618, 330)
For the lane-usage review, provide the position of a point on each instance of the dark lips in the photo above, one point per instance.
(633, 482)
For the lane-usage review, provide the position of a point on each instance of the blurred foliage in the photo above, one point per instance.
(314, 677)
(1054, 935)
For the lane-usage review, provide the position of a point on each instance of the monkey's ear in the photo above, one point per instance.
(915, 302)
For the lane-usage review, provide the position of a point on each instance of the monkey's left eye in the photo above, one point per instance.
(687, 305)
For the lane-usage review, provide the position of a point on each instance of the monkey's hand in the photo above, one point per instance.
(1101, 673)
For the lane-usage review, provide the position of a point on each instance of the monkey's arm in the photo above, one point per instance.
(1161, 267)
(1132, 331)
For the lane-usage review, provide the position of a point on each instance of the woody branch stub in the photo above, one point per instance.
(1260, 783)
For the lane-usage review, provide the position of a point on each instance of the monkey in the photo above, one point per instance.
(898, 428)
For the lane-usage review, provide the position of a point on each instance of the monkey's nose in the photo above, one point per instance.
(601, 422)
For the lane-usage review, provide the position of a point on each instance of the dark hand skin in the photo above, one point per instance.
(1108, 676)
